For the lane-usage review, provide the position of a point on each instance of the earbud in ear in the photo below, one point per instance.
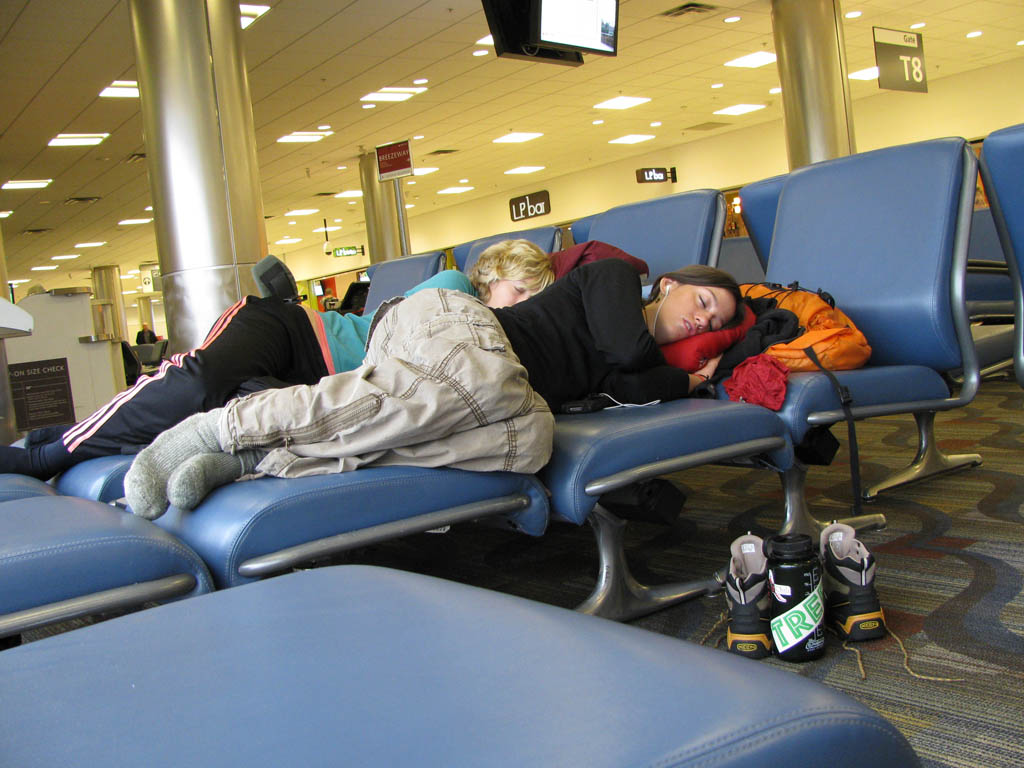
(668, 288)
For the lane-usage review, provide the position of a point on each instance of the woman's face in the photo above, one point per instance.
(687, 310)
(505, 293)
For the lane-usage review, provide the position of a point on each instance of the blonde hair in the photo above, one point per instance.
(511, 260)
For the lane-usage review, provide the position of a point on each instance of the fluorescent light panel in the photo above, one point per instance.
(251, 12)
(303, 212)
(27, 184)
(44, 269)
(454, 190)
(516, 137)
(739, 109)
(753, 60)
(5, 214)
(130, 222)
(288, 241)
(90, 245)
(350, 193)
(632, 138)
(622, 102)
(525, 169)
(871, 73)
(77, 139)
(121, 89)
(423, 171)
(304, 137)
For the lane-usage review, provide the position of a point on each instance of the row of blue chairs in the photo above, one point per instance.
(893, 250)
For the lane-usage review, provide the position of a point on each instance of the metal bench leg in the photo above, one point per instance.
(798, 517)
(617, 594)
(929, 460)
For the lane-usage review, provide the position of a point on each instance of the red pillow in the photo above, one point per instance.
(693, 352)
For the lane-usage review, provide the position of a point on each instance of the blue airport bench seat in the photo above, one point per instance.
(396, 276)
(596, 453)
(257, 528)
(758, 203)
(63, 557)
(1002, 167)
(361, 666)
(892, 250)
(667, 232)
(547, 238)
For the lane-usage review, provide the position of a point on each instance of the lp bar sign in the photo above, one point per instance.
(900, 59)
(528, 206)
(654, 175)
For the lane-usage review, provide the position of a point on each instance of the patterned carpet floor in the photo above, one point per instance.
(950, 570)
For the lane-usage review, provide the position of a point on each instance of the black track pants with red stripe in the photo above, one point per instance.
(255, 338)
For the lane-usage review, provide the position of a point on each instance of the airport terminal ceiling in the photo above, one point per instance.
(313, 63)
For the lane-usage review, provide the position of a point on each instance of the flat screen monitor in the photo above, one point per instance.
(318, 288)
(511, 25)
(590, 26)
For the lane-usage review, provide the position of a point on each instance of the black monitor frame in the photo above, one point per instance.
(510, 22)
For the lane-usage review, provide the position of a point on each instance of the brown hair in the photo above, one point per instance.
(712, 277)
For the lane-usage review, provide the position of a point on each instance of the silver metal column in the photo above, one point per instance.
(8, 425)
(813, 74)
(106, 292)
(381, 211)
(201, 149)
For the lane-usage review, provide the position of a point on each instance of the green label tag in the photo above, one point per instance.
(798, 622)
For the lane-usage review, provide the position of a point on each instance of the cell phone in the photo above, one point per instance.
(588, 404)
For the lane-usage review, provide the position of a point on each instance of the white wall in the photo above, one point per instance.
(971, 104)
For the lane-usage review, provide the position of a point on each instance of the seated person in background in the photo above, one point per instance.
(145, 335)
(256, 344)
(450, 382)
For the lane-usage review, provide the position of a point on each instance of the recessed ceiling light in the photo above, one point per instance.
(463, 181)
(90, 245)
(775, 90)
(65, 257)
(739, 109)
(1019, 42)
(488, 40)
(731, 19)
(130, 222)
(369, 106)
(423, 171)
(975, 33)
(327, 229)
(753, 60)
(918, 25)
(350, 193)
(420, 81)
(598, 122)
(516, 137)
(871, 73)
(410, 205)
(5, 214)
(128, 293)
(632, 138)
(410, 182)
(304, 137)
(121, 89)
(853, 14)
(525, 169)
(417, 138)
(127, 276)
(454, 190)
(288, 241)
(77, 139)
(342, 168)
(656, 124)
(302, 212)
(148, 208)
(48, 268)
(27, 184)
(351, 202)
(17, 282)
(323, 127)
(338, 221)
(480, 52)
(251, 12)
(622, 102)
(292, 223)
(718, 85)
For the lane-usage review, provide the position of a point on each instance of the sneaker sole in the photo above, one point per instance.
(751, 646)
(863, 626)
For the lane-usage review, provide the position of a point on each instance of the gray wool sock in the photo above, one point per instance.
(145, 485)
(190, 483)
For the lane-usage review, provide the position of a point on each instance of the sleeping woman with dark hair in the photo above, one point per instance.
(449, 382)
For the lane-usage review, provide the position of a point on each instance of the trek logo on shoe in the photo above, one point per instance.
(799, 622)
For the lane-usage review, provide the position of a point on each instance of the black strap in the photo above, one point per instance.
(845, 399)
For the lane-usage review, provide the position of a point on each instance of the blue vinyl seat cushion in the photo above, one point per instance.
(361, 666)
(591, 446)
(252, 518)
(54, 548)
(100, 479)
(14, 486)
